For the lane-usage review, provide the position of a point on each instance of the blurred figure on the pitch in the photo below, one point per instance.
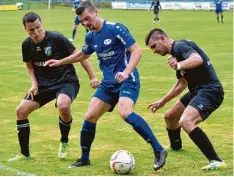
(219, 9)
(156, 5)
(76, 20)
(60, 83)
(118, 55)
(195, 71)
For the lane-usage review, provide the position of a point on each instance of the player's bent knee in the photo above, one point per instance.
(168, 116)
(186, 124)
(21, 113)
(124, 114)
(91, 118)
(63, 108)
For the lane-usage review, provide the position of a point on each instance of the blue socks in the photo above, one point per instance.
(88, 130)
(143, 129)
(86, 138)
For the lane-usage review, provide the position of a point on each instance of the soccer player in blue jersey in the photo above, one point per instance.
(60, 83)
(156, 5)
(219, 9)
(76, 21)
(195, 71)
(118, 54)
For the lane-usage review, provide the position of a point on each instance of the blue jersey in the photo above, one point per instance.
(218, 4)
(76, 4)
(111, 44)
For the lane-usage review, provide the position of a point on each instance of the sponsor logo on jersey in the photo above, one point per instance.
(40, 64)
(48, 51)
(106, 56)
(107, 41)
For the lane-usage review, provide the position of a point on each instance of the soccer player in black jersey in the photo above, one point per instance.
(60, 83)
(195, 71)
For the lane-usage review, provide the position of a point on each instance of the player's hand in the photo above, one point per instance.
(156, 105)
(94, 83)
(172, 62)
(52, 63)
(32, 91)
(121, 76)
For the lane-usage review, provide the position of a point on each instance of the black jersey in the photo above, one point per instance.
(199, 77)
(53, 46)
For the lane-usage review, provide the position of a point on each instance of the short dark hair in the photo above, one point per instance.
(85, 5)
(30, 17)
(154, 33)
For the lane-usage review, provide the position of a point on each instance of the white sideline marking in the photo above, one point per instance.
(18, 172)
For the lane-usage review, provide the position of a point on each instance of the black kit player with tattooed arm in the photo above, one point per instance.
(195, 71)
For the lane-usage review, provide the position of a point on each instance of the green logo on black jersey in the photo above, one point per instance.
(48, 51)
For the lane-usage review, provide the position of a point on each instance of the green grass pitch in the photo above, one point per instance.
(112, 132)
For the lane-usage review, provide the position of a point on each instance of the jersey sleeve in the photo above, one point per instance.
(25, 52)
(184, 50)
(87, 48)
(66, 44)
(178, 75)
(124, 36)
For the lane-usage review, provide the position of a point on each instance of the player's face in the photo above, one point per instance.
(158, 46)
(35, 31)
(89, 19)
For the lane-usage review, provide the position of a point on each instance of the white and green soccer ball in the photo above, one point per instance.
(122, 162)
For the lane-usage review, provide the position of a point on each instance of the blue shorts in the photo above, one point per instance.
(76, 21)
(219, 11)
(205, 101)
(110, 93)
(47, 94)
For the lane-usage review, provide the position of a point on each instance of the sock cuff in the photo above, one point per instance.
(194, 132)
(65, 123)
(22, 123)
(89, 124)
(131, 117)
(172, 131)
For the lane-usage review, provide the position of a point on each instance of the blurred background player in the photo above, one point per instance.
(76, 21)
(60, 83)
(118, 55)
(156, 4)
(219, 9)
(195, 71)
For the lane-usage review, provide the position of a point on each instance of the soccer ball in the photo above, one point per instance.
(122, 162)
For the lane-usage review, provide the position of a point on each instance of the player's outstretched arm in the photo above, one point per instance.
(179, 86)
(94, 83)
(77, 56)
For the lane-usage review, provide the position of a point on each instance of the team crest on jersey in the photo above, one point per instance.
(48, 51)
(107, 41)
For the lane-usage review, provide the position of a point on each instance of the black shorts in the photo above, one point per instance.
(156, 11)
(47, 94)
(205, 101)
